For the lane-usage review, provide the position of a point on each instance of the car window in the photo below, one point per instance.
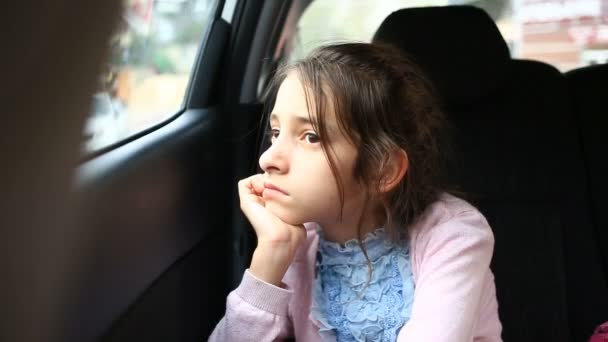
(148, 70)
(565, 33)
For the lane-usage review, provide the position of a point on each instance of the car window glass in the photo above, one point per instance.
(148, 70)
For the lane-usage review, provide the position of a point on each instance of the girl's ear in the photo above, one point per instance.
(394, 171)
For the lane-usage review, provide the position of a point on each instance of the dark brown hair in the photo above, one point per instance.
(383, 102)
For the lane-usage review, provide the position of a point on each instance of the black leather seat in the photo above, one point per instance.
(519, 159)
(589, 87)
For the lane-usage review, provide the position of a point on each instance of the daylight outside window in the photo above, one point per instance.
(146, 76)
(564, 33)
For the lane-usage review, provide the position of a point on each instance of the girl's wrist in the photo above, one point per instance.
(271, 264)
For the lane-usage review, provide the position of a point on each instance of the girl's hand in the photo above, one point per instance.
(277, 241)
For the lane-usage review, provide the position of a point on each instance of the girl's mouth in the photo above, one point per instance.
(272, 187)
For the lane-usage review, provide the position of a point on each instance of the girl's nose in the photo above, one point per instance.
(275, 159)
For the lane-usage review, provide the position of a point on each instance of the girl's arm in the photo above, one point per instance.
(255, 311)
(454, 261)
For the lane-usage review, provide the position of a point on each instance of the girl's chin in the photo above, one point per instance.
(286, 215)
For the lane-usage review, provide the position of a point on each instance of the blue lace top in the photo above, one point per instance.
(345, 306)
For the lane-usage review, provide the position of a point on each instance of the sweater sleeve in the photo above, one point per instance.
(255, 311)
(454, 258)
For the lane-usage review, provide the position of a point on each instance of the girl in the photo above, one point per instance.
(356, 240)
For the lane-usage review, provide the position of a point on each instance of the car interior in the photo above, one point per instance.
(152, 240)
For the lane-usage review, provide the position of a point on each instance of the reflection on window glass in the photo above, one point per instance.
(565, 33)
(147, 74)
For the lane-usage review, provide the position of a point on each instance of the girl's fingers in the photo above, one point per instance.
(244, 187)
(257, 183)
(247, 191)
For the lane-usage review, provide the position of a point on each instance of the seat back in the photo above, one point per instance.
(588, 87)
(518, 159)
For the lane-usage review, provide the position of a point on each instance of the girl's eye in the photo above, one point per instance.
(273, 133)
(311, 138)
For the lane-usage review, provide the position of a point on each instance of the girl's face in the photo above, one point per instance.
(300, 186)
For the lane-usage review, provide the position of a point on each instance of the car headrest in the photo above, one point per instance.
(459, 47)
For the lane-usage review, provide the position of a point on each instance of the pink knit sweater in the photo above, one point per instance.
(454, 299)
